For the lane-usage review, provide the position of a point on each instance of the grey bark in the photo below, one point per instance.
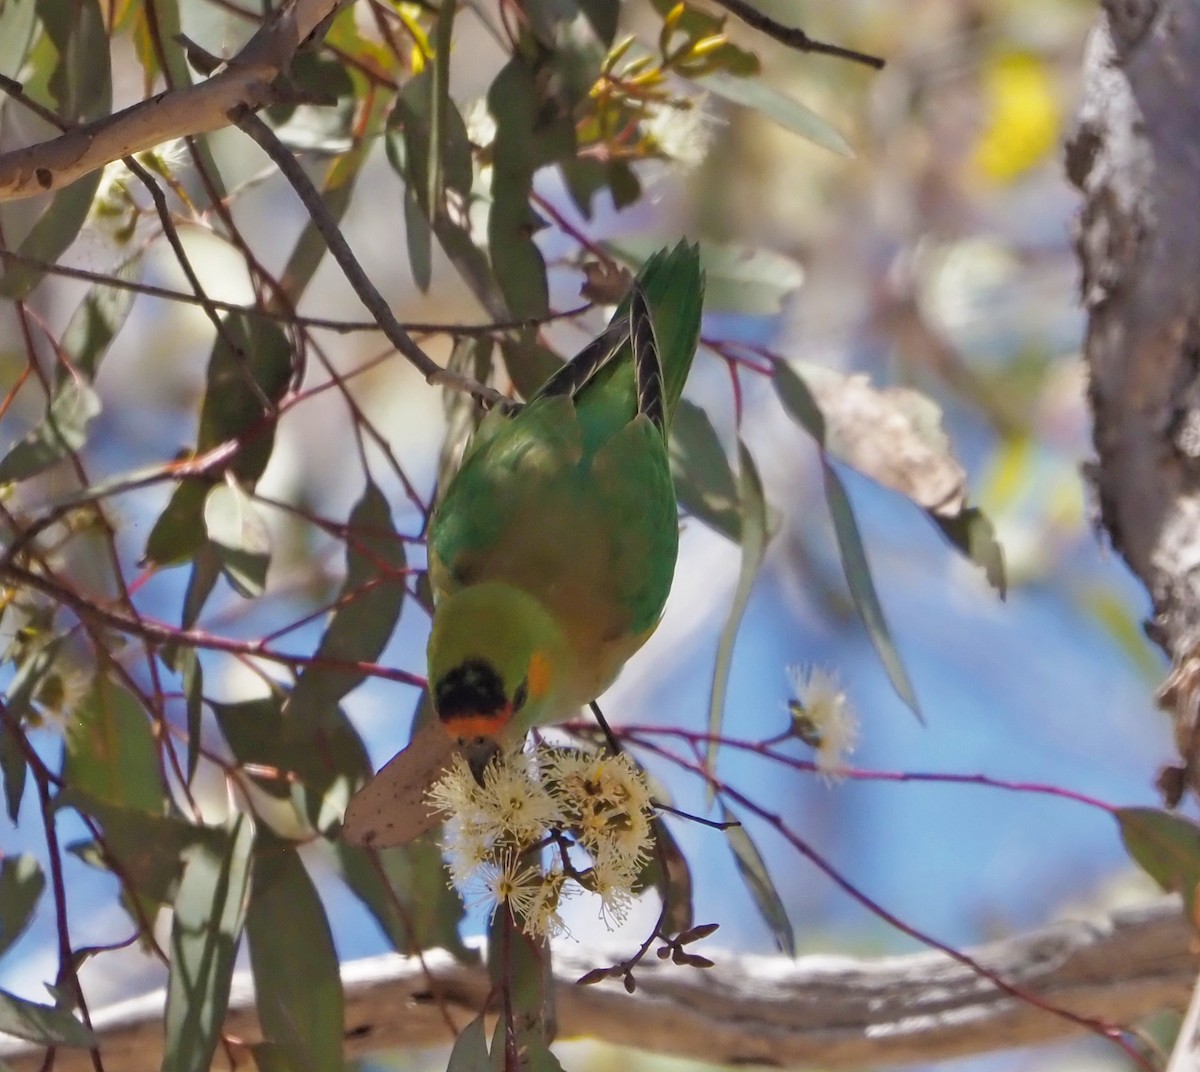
(1135, 155)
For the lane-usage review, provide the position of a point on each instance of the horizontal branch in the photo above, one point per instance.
(244, 82)
(833, 1011)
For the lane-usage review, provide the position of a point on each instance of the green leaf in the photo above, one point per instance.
(251, 361)
(668, 872)
(202, 579)
(297, 987)
(205, 934)
(110, 749)
(754, 548)
(82, 78)
(526, 139)
(799, 402)
(784, 110)
(411, 900)
(47, 240)
(971, 532)
(754, 282)
(753, 869)
(1167, 847)
(368, 608)
(42, 1024)
(323, 752)
(251, 364)
(178, 534)
(470, 1052)
(146, 849)
(704, 482)
(240, 537)
(16, 35)
(13, 767)
(189, 668)
(61, 431)
(21, 884)
(737, 278)
(97, 320)
(862, 586)
(409, 154)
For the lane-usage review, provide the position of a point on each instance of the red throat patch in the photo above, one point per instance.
(469, 725)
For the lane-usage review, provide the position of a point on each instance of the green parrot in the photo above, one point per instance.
(553, 549)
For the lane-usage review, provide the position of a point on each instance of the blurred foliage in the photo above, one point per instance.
(110, 715)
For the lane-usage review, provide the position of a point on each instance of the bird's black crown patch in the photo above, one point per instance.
(471, 688)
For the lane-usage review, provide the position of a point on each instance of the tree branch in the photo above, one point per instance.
(833, 1011)
(1133, 155)
(244, 82)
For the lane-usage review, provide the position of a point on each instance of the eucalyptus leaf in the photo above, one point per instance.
(704, 482)
(754, 548)
(42, 1024)
(62, 431)
(753, 869)
(297, 987)
(205, 934)
(1167, 847)
(239, 535)
(862, 586)
(21, 885)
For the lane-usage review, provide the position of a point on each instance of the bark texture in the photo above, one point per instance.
(1135, 155)
(825, 1011)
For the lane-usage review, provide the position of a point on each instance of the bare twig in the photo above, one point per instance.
(367, 292)
(837, 1012)
(793, 36)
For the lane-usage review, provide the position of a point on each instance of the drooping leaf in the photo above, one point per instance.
(668, 872)
(972, 533)
(204, 939)
(16, 34)
(737, 278)
(248, 373)
(188, 666)
(96, 321)
(786, 111)
(82, 78)
(411, 901)
(145, 849)
(1167, 847)
(367, 609)
(862, 586)
(297, 987)
(753, 508)
(321, 758)
(798, 400)
(110, 751)
(178, 534)
(14, 769)
(42, 1024)
(469, 1052)
(753, 869)
(239, 536)
(61, 431)
(21, 885)
(704, 482)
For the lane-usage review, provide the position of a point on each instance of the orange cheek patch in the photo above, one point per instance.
(539, 675)
(466, 726)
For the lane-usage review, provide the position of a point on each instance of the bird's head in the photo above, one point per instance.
(495, 656)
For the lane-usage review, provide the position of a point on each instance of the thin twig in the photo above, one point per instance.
(367, 292)
(794, 37)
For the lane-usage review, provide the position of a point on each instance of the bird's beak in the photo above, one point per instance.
(479, 752)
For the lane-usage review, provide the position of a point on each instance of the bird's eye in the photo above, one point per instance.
(520, 696)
